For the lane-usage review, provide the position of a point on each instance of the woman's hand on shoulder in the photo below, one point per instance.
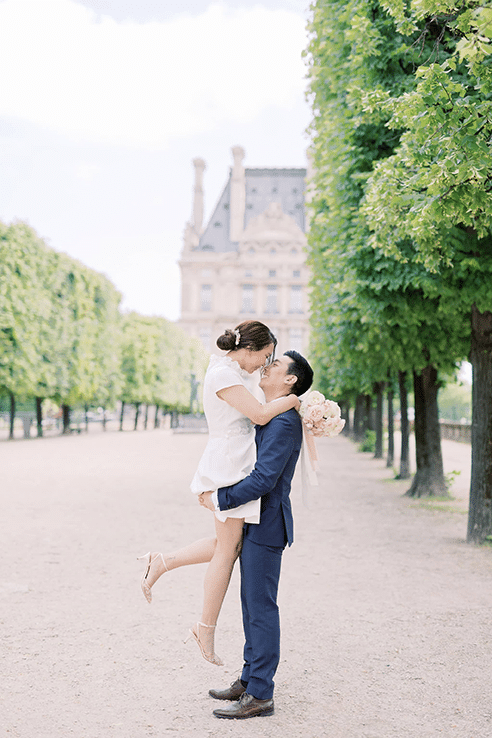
(297, 403)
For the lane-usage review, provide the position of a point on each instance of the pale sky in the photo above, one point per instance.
(104, 103)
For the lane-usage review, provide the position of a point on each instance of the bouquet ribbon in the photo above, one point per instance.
(309, 464)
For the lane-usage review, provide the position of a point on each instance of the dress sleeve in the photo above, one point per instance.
(223, 377)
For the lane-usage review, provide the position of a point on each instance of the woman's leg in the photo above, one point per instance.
(218, 575)
(198, 552)
(217, 578)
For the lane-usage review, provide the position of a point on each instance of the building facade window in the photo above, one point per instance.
(248, 299)
(295, 299)
(272, 273)
(206, 297)
(296, 274)
(271, 299)
(206, 338)
(296, 336)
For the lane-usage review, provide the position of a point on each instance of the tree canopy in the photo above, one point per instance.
(63, 336)
(400, 240)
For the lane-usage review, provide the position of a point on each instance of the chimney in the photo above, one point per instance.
(238, 195)
(200, 166)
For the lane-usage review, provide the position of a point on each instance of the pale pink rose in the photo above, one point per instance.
(314, 414)
(337, 427)
(331, 409)
(328, 427)
(315, 398)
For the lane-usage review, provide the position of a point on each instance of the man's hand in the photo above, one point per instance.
(205, 499)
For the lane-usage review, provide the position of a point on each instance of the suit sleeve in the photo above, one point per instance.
(275, 450)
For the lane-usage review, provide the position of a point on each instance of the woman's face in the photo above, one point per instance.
(253, 360)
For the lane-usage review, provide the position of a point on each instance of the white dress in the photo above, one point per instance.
(230, 453)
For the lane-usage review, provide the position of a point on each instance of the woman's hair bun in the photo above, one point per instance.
(227, 341)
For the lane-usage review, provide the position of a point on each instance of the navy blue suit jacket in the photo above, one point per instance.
(278, 444)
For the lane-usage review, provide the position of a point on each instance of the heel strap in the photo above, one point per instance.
(205, 625)
(163, 561)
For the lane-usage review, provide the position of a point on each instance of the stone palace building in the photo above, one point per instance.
(249, 261)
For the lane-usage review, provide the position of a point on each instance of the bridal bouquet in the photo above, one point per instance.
(321, 416)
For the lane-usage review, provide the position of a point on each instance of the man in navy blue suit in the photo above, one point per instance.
(278, 445)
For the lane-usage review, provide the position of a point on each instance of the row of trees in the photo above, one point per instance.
(400, 242)
(62, 336)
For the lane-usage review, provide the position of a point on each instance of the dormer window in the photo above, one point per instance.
(217, 224)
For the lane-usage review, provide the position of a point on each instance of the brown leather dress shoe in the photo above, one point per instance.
(247, 706)
(234, 692)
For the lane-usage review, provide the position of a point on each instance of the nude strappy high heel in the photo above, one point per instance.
(211, 657)
(146, 588)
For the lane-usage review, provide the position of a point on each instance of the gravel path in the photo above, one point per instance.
(386, 612)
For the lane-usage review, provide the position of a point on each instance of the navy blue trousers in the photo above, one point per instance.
(260, 572)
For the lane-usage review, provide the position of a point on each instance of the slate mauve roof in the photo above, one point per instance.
(263, 186)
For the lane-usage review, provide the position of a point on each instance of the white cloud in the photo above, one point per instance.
(87, 171)
(145, 84)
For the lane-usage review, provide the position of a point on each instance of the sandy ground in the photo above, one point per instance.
(386, 611)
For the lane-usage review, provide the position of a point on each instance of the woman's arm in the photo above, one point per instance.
(240, 399)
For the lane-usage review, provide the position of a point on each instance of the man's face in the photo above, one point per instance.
(274, 376)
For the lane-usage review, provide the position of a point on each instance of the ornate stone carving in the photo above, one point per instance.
(272, 226)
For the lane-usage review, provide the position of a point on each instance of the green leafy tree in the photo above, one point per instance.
(437, 186)
(158, 359)
(369, 313)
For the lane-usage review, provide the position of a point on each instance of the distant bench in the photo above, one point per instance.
(455, 431)
(189, 424)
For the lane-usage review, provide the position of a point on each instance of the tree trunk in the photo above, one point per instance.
(66, 418)
(104, 420)
(358, 418)
(390, 457)
(156, 417)
(12, 416)
(480, 510)
(137, 413)
(345, 413)
(429, 478)
(404, 427)
(39, 416)
(122, 414)
(86, 410)
(146, 417)
(368, 423)
(378, 449)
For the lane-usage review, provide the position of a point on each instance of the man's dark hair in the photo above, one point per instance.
(301, 369)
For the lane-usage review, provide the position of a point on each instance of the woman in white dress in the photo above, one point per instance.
(231, 411)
